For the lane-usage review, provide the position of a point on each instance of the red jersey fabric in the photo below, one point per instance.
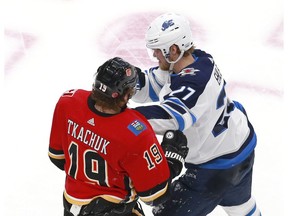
(117, 157)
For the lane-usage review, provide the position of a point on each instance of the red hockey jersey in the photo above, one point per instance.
(117, 157)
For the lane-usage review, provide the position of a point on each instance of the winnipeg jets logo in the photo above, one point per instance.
(186, 71)
(167, 24)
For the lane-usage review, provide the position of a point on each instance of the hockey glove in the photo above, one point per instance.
(141, 79)
(102, 207)
(174, 144)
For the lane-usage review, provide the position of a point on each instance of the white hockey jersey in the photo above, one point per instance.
(194, 101)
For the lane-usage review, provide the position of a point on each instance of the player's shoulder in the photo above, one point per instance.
(73, 95)
(203, 60)
(200, 69)
(201, 54)
(137, 124)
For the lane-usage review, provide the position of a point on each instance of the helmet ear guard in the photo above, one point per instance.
(114, 76)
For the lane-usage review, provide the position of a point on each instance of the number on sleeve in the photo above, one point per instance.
(153, 156)
(69, 93)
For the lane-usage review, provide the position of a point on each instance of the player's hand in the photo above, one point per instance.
(141, 79)
(175, 141)
(174, 144)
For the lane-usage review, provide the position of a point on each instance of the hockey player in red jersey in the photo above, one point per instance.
(110, 153)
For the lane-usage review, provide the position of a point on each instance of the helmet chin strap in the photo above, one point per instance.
(171, 67)
(172, 63)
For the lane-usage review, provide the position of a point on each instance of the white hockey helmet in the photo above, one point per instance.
(166, 30)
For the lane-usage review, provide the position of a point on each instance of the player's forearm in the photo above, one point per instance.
(57, 157)
(58, 162)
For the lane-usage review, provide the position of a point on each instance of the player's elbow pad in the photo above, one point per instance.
(58, 162)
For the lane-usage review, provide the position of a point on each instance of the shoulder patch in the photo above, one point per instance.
(136, 127)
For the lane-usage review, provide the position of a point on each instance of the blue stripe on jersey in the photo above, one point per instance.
(240, 107)
(177, 116)
(175, 106)
(152, 94)
(252, 211)
(180, 105)
(228, 163)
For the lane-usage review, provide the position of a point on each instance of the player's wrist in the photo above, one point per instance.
(175, 167)
(174, 156)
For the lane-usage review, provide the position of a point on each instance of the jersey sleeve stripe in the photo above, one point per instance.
(77, 201)
(154, 196)
(154, 86)
(56, 154)
(184, 117)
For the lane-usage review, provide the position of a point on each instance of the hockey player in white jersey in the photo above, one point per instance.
(190, 94)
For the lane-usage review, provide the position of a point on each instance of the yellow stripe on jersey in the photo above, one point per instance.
(148, 199)
(56, 156)
(77, 201)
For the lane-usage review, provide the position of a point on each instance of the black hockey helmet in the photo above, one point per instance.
(114, 76)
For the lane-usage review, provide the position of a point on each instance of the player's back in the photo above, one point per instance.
(102, 151)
